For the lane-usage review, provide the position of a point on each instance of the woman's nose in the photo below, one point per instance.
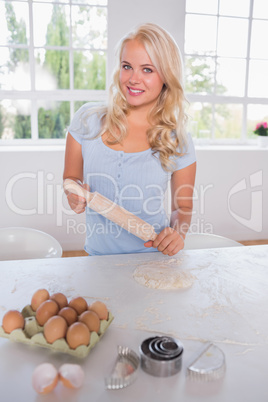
(134, 78)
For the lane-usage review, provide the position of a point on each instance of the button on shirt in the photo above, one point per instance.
(135, 181)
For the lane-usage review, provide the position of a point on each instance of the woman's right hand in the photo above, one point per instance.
(76, 202)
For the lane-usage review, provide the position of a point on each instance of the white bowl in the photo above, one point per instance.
(18, 243)
(195, 241)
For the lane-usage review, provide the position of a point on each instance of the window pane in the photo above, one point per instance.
(92, 2)
(78, 104)
(68, 36)
(15, 120)
(53, 119)
(89, 70)
(14, 22)
(256, 114)
(258, 49)
(205, 41)
(14, 69)
(50, 1)
(260, 9)
(228, 121)
(258, 82)
(20, 78)
(200, 120)
(52, 69)
(235, 8)
(51, 24)
(216, 52)
(204, 6)
(232, 84)
(232, 39)
(199, 73)
(4, 70)
(89, 27)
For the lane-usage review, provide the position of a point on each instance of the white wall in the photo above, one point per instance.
(232, 192)
(31, 178)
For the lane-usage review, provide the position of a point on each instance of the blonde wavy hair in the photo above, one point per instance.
(167, 118)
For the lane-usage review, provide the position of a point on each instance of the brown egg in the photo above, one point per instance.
(38, 298)
(45, 378)
(46, 310)
(13, 319)
(69, 314)
(71, 375)
(55, 328)
(79, 304)
(91, 319)
(77, 334)
(99, 308)
(59, 298)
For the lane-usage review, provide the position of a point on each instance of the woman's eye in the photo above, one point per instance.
(148, 70)
(126, 67)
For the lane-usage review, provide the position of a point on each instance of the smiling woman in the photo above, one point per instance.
(134, 146)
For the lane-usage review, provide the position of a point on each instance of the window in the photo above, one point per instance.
(226, 64)
(52, 60)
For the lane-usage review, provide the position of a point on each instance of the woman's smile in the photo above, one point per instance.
(134, 91)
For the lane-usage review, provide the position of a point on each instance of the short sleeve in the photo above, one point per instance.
(188, 158)
(86, 123)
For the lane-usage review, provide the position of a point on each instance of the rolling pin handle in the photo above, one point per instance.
(154, 236)
(75, 188)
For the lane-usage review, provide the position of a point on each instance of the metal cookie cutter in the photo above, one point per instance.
(208, 365)
(161, 356)
(125, 369)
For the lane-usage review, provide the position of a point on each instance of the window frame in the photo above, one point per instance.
(215, 99)
(71, 95)
(101, 95)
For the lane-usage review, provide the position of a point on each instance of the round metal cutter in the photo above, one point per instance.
(161, 356)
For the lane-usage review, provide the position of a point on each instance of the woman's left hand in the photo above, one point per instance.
(169, 242)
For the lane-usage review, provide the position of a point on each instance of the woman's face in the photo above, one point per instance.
(139, 80)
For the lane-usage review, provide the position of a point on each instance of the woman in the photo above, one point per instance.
(129, 150)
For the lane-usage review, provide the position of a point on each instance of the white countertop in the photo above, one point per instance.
(227, 304)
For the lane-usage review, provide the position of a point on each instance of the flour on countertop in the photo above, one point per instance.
(163, 275)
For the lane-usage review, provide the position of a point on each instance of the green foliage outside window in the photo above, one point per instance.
(89, 73)
(200, 80)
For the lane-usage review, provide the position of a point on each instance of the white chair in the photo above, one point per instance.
(18, 243)
(206, 240)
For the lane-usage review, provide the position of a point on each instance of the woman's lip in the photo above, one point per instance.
(135, 91)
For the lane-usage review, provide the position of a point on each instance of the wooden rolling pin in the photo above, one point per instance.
(112, 211)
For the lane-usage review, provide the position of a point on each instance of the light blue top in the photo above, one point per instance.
(136, 181)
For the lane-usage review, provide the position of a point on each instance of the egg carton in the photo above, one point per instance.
(32, 334)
